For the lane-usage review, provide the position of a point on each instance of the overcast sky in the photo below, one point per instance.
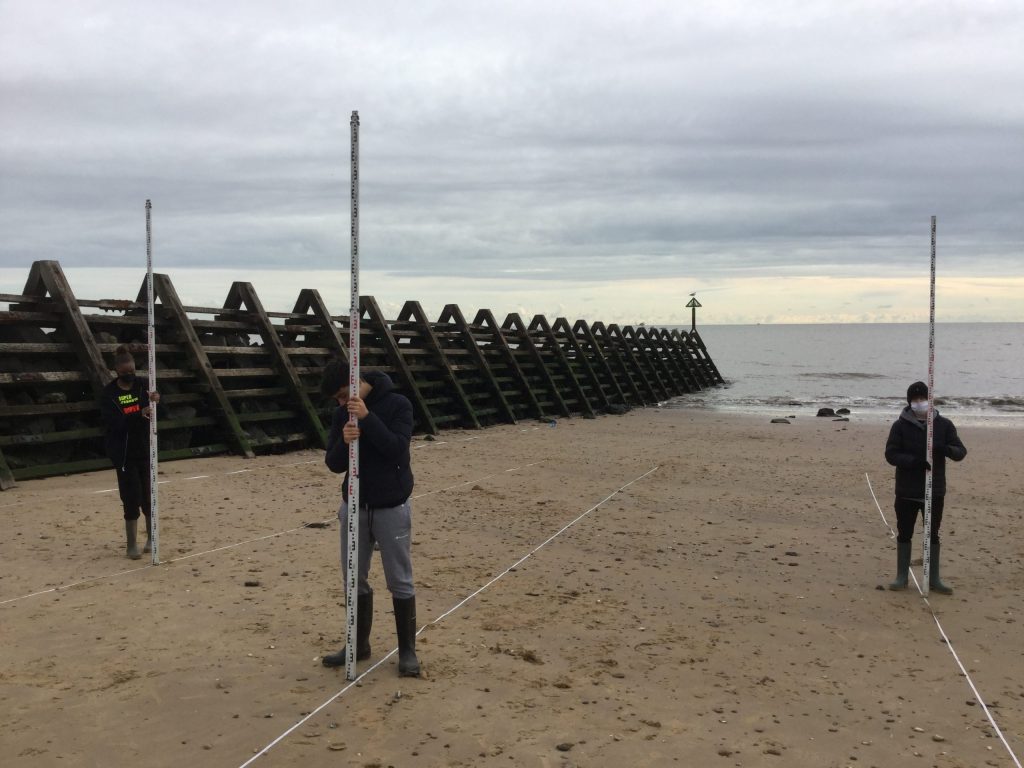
(598, 160)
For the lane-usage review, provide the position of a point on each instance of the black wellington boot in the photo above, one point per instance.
(364, 622)
(405, 625)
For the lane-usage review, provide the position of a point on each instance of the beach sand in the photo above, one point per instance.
(713, 601)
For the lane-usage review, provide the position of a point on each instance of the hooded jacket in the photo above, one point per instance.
(905, 450)
(127, 429)
(385, 474)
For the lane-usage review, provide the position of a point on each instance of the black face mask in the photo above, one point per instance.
(126, 378)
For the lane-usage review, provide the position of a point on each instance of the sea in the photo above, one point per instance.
(793, 370)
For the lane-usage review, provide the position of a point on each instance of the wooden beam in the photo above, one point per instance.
(485, 319)
(412, 312)
(678, 353)
(514, 323)
(453, 315)
(540, 325)
(368, 305)
(310, 302)
(702, 353)
(244, 294)
(221, 406)
(47, 277)
(608, 347)
(581, 329)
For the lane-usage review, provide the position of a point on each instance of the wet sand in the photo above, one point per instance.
(722, 609)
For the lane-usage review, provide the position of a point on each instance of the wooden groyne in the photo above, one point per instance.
(241, 379)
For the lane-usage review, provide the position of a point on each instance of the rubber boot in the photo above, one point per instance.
(405, 625)
(364, 622)
(131, 528)
(902, 566)
(148, 546)
(934, 582)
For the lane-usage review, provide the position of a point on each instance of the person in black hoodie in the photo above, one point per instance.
(125, 405)
(905, 449)
(384, 431)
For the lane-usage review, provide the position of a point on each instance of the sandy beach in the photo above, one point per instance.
(701, 590)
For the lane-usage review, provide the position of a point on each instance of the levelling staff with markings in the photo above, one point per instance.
(905, 449)
(126, 405)
(384, 431)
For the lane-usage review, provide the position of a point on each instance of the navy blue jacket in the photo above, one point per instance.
(905, 450)
(385, 474)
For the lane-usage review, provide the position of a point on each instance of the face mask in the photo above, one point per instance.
(126, 378)
(920, 406)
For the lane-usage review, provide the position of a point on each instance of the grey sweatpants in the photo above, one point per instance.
(391, 527)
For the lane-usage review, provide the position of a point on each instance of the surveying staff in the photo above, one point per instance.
(126, 404)
(905, 449)
(384, 430)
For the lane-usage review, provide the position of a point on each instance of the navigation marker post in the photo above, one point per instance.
(352, 553)
(693, 304)
(154, 494)
(929, 440)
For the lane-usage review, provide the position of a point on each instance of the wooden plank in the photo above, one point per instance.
(664, 358)
(413, 312)
(613, 337)
(646, 359)
(484, 322)
(244, 293)
(626, 345)
(540, 324)
(675, 351)
(569, 339)
(368, 305)
(514, 324)
(582, 329)
(47, 276)
(165, 291)
(697, 344)
(452, 315)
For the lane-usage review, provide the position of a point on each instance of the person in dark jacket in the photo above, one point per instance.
(905, 449)
(384, 431)
(125, 405)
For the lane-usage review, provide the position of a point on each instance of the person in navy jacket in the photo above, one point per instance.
(905, 449)
(384, 430)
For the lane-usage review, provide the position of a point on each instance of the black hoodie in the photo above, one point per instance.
(905, 450)
(385, 474)
(127, 428)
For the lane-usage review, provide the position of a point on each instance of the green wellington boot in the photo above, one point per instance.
(131, 530)
(902, 566)
(934, 582)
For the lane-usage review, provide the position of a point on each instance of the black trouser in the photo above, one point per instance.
(906, 516)
(133, 485)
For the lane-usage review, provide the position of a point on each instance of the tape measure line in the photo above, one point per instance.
(444, 615)
(946, 640)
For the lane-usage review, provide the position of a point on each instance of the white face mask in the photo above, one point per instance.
(920, 406)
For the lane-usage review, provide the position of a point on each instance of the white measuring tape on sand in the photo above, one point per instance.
(64, 587)
(945, 637)
(444, 615)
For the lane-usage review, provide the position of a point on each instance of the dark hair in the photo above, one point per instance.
(334, 377)
(122, 355)
(917, 390)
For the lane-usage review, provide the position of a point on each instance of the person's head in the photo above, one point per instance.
(334, 382)
(124, 365)
(917, 397)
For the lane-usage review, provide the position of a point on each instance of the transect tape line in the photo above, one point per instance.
(272, 466)
(240, 543)
(945, 637)
(444, 615)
